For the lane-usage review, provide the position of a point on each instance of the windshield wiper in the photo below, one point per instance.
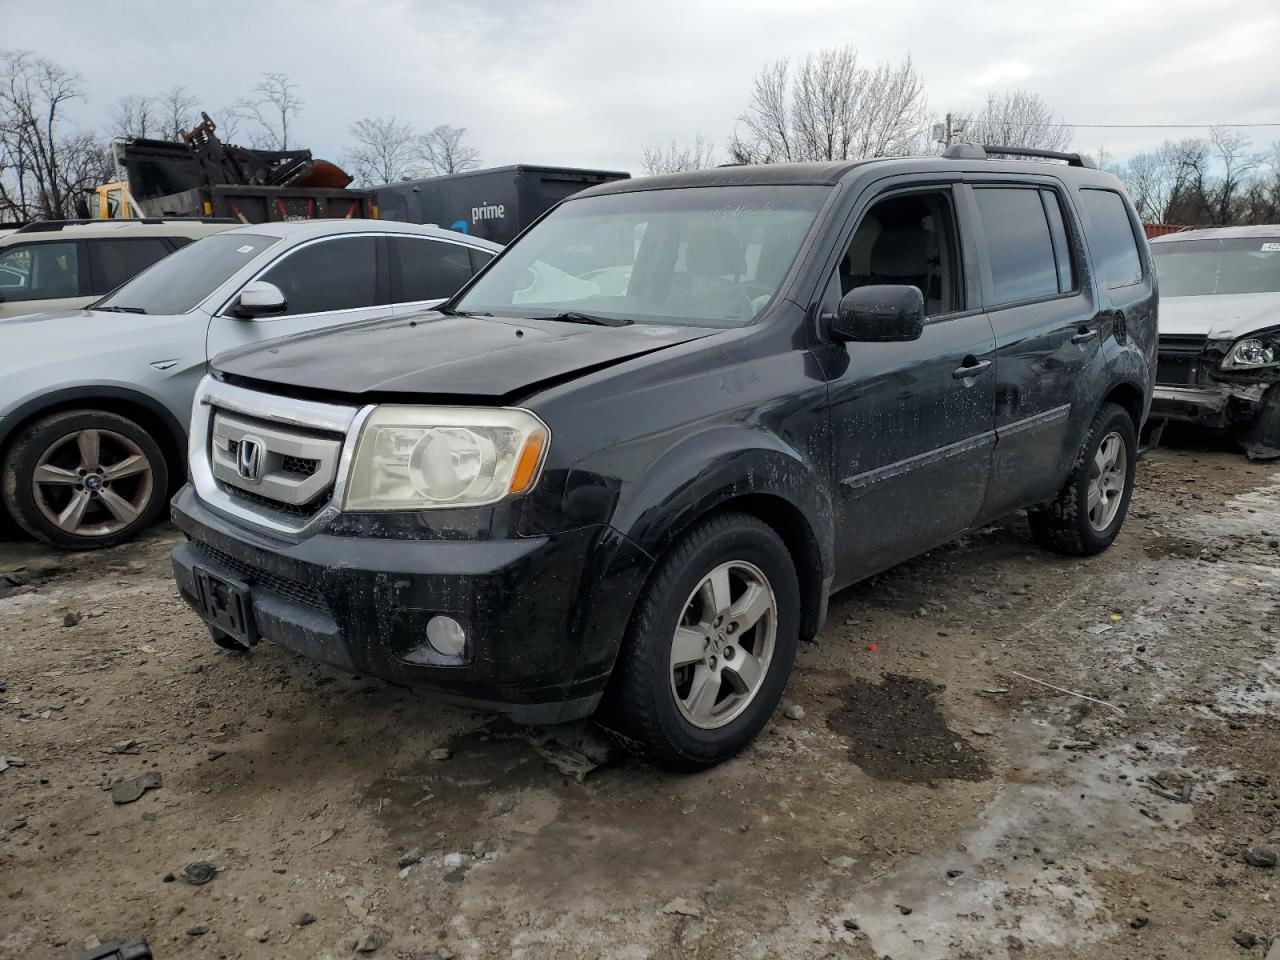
(119, 309)
(573, 316)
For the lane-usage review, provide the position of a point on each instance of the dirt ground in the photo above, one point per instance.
(935, 800)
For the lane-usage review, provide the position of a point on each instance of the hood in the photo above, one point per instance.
(33, 339)
(1221, 317)
(432, 353)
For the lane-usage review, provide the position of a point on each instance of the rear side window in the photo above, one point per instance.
(1019, 245)
(339, 274)
(1061, 243)
(115, 261)
(1114, 246)
(39, 271)
(424, 269)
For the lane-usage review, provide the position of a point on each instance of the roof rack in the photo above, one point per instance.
(48, 226)
(984, 151)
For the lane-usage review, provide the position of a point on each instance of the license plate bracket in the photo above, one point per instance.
(225, 604)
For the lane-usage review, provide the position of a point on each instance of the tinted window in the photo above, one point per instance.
(182, 280)
(426, 269)
(328, 275)
(39, 271)
(1018, 244)
(478, 259)
(1061, 245)
(1114, 246)
(115, 261)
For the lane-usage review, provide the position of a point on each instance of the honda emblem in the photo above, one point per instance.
(249, 459)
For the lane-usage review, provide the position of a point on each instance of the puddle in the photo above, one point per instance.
(896, 732)
(1021, 877)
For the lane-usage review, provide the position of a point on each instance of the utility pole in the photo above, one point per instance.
(946, 132)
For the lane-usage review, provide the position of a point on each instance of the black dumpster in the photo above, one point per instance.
(495, 204)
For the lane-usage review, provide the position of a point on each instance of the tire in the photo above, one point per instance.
(1068, 525)
(1261, 439)
(650, 706)
(107, 479)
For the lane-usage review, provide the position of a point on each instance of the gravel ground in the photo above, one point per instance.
(931, 798)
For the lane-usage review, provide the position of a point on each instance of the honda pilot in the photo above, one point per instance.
(621, 471)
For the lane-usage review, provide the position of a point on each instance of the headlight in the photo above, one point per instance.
(411, 458)
(1252, 353)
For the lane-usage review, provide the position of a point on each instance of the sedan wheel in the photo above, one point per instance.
(84, 479)
(92, 483)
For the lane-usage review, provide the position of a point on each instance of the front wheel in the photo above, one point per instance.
(710, 646)
(84, 478)
(1087, 515)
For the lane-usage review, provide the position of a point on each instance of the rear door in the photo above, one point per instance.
(326, 283)
(1043, 310)
(423, 271)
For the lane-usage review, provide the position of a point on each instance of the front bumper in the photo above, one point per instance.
(1218, 405)
(544, 616)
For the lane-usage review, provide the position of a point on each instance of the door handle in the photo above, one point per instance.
(1084, 335)
(970, 370)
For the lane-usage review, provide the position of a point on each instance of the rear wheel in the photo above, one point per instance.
(710, 646)
(1087, 515)
(84, 478)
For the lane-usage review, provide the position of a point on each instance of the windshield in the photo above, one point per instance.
(183, 279)
(1197, 268)
(706, 256)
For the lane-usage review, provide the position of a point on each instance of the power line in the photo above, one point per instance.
(1163, 126)
(1155, 126)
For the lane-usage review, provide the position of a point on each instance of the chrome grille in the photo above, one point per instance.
(291, 475)
(254, 455)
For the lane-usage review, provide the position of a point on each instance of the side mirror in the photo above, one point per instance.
(259, 299)
(880, 313)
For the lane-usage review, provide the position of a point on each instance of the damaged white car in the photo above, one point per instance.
(1219, 363)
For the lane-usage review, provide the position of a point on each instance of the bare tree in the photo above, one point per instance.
(176, 112)
(1235, 163)
(831, 108)
(133, 116)
(38, 175)
(384, 151)
(1017, 118)
(673, 157)
(765, 135)
(272, 106)
(442, 151)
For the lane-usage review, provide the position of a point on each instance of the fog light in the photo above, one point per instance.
(446, 636)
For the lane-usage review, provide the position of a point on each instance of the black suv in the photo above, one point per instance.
(621, 471)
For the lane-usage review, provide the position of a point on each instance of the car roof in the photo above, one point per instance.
(42, 231)
(1221, 233)
(830, 173)
(308, 229)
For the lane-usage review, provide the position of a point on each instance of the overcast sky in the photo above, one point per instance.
(586, 83)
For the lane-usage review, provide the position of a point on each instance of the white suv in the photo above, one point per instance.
(94, 403)
(55, 264)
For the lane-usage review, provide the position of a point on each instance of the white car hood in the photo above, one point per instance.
(1222, 317)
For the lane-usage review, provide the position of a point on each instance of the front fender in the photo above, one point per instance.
(712, 467)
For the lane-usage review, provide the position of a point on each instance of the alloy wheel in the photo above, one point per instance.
(92, 483)
(723, 644)
(1107, 480)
